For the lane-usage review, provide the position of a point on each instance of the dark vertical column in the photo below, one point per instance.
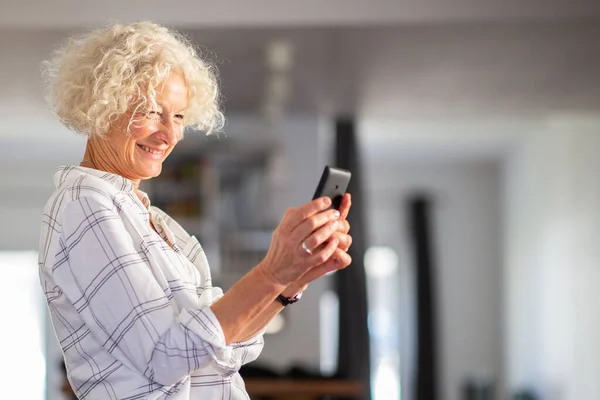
(420, 225)
(354, 355)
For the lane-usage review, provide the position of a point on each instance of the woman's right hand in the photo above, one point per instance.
(286, 259)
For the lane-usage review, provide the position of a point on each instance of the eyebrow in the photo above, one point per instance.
(162, 104)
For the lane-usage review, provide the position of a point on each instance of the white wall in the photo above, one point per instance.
(25, 189)
(553, 260)
(467, 244)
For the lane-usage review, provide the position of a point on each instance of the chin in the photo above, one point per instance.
(151, 172)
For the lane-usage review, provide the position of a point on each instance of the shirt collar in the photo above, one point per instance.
(65, 173)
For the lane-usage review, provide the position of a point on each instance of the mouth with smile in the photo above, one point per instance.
(151, 151)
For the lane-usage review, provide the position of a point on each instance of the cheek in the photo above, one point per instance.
(128, 146)
(140, 130)
(136, 133)
(119, 146)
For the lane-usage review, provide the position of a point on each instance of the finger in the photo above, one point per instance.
(334, 263)
(320, 236)
(295, 217)
(342, 258)
(345, 205)
(318, 271)
(344, 240)
(323, 255)
(312, 224)
(343, 226)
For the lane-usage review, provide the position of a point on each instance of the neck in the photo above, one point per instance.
(101, 157)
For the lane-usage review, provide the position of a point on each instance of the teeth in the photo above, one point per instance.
(149, 150)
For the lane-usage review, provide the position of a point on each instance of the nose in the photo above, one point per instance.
(171, 132)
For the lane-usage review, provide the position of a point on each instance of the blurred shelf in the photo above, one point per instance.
(307, 387)
(172, 190)
(196, 225)
(252, 240)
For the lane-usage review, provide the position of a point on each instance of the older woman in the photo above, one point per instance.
(129, 291)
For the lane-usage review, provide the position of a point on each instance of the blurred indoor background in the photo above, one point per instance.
(472, 128)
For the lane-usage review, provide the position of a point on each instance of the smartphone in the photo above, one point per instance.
(333, 184)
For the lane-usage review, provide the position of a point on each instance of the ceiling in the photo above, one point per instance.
(260, 13)
(418, 71)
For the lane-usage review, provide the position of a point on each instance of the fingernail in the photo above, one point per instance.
(336, 214)
(326, 201)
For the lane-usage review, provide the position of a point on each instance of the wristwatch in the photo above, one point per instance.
(288, 300)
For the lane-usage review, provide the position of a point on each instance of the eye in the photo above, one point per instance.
(153, 114)
(179, 117)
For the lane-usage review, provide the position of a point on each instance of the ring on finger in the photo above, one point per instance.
(305, 248)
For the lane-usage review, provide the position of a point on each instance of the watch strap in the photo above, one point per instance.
(286, 301)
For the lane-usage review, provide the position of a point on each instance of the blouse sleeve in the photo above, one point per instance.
(249, 350)
(111, 285)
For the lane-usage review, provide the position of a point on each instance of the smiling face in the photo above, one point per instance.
(139, 153)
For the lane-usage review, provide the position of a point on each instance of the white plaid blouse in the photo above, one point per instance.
(130, 306)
